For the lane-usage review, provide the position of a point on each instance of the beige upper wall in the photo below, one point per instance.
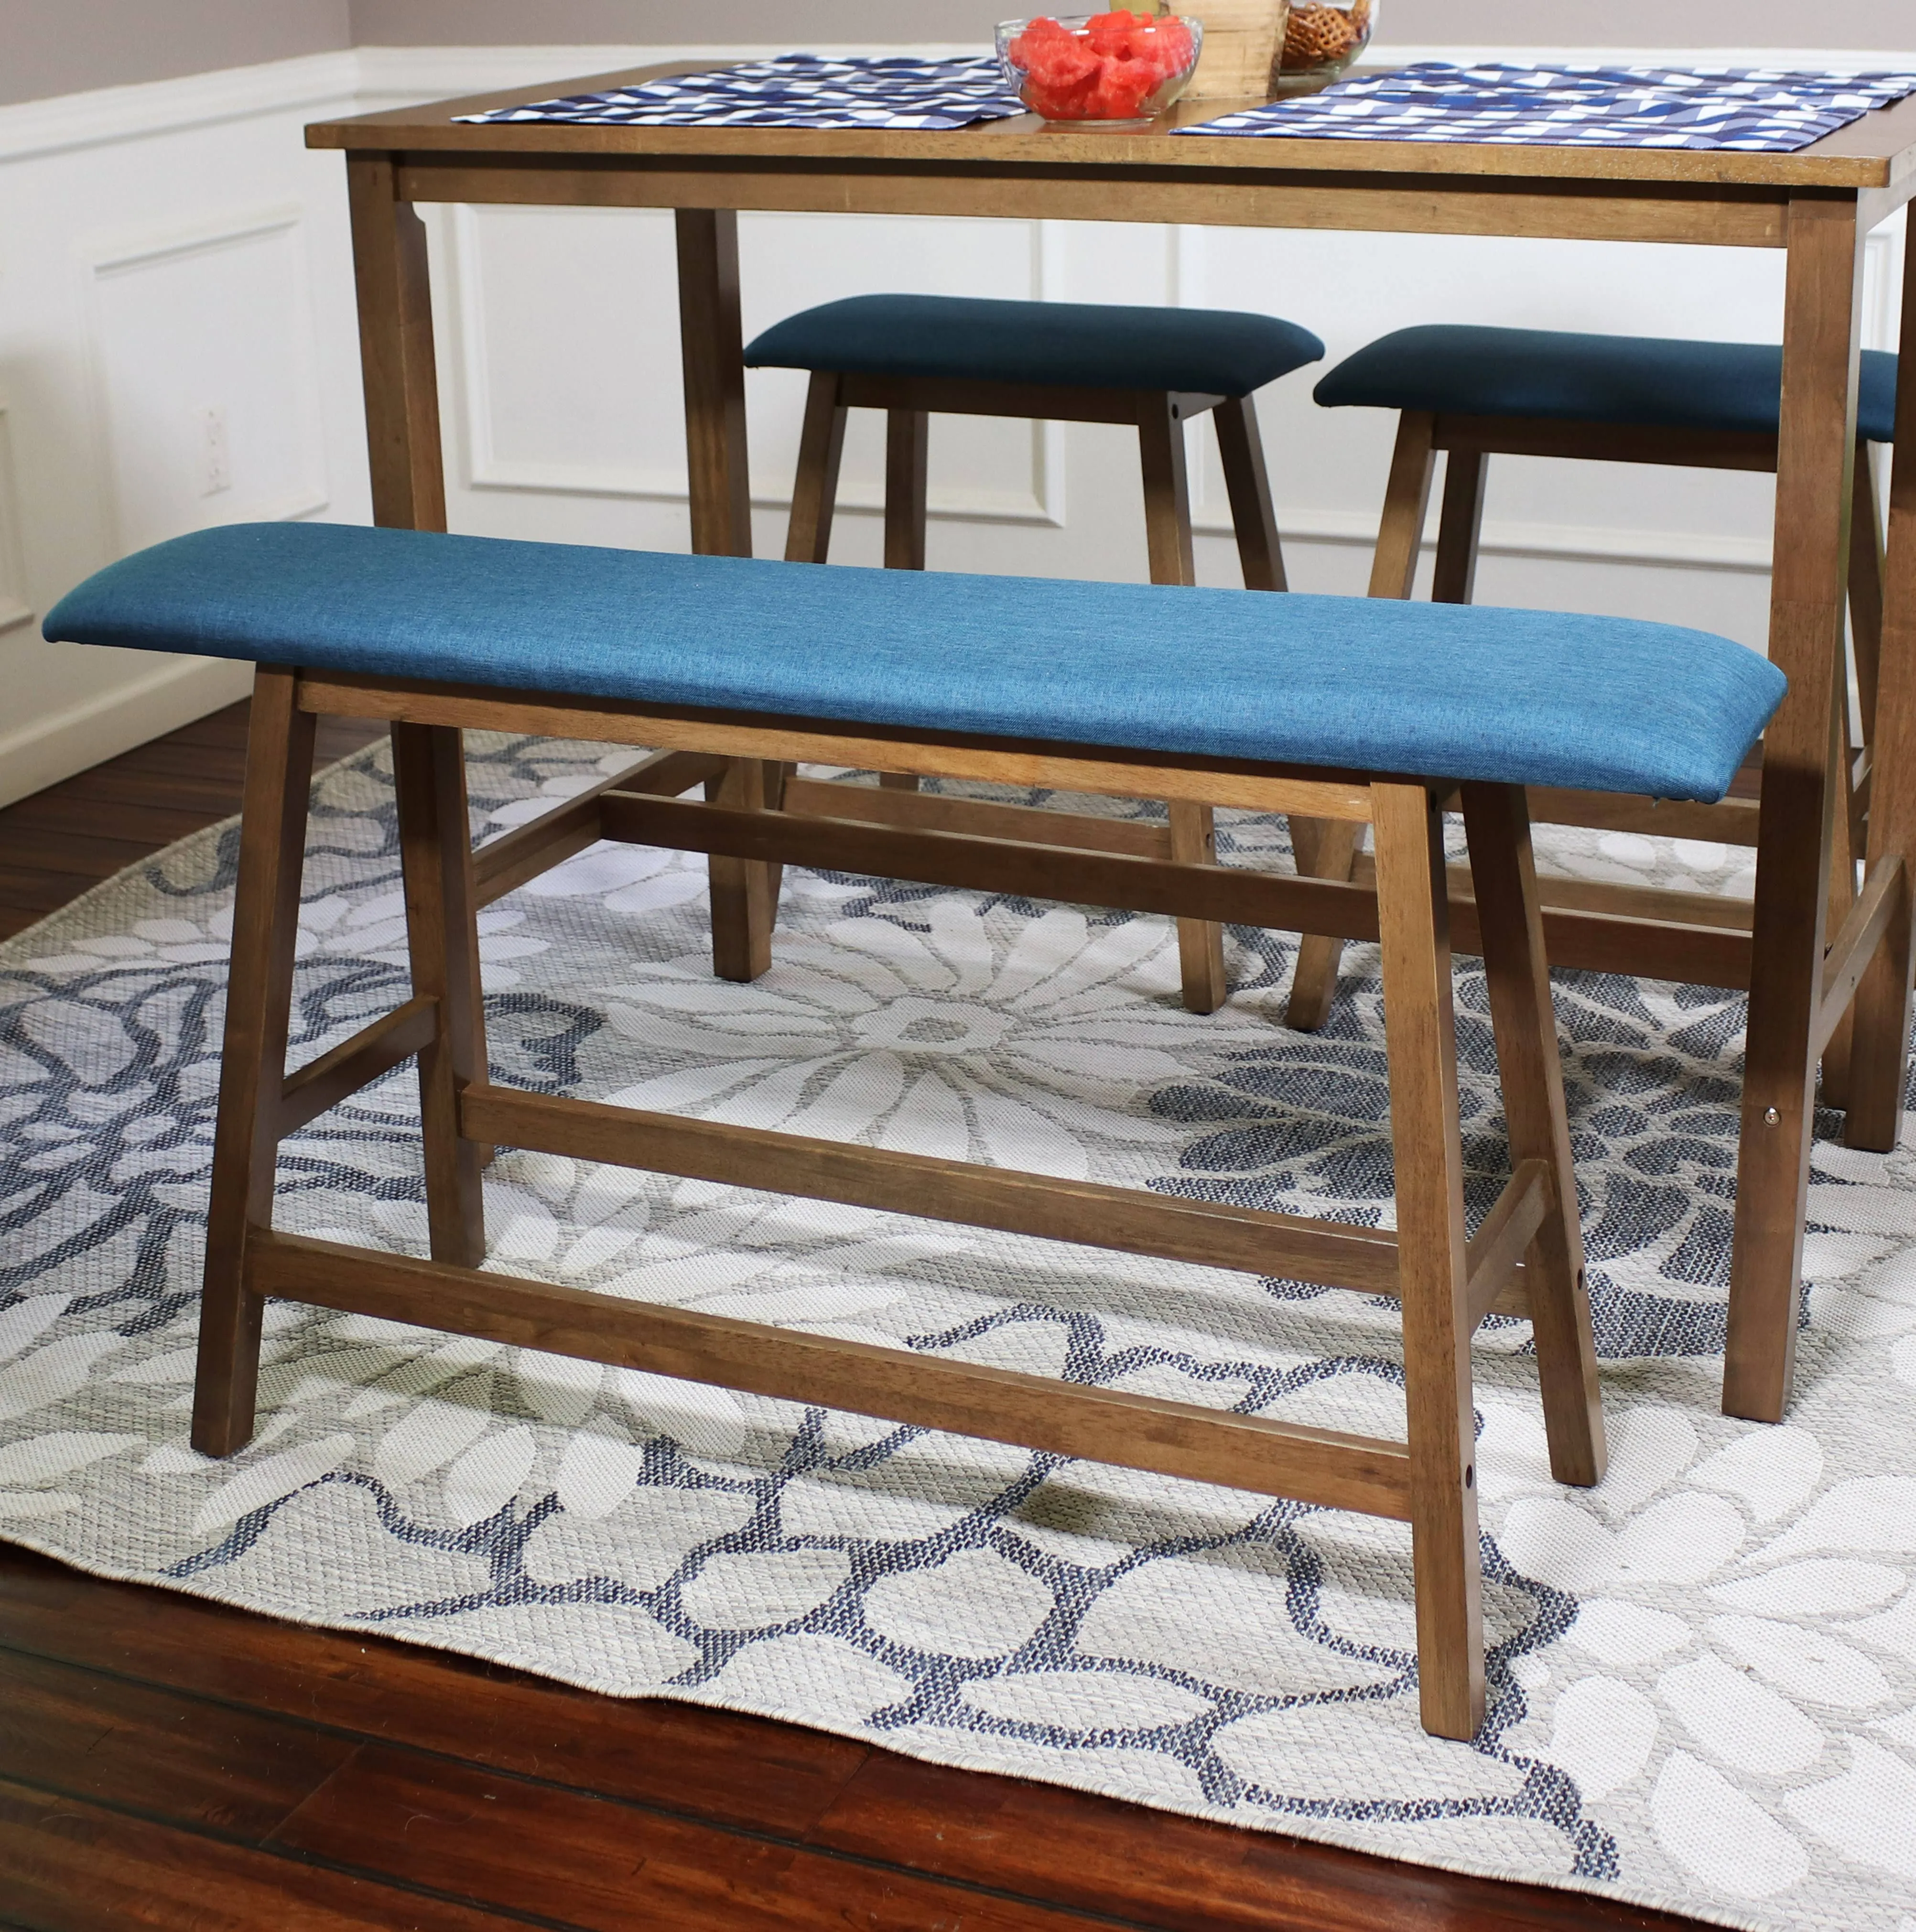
(1560, 23)
(64, 46)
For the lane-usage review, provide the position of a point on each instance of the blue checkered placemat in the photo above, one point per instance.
(1763, 110)
(796, 91)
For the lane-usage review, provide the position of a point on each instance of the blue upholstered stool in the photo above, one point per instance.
(915, 356)
(1475, 392)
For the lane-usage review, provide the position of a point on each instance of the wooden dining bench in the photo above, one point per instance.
(1341, 709)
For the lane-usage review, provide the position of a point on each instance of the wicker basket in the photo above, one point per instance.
(1242, 39)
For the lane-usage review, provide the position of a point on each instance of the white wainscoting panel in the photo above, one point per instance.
(566, 376)
(206, 365)
(166, 249)
(14, 609)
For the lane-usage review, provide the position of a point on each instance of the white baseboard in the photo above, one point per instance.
(174, 692)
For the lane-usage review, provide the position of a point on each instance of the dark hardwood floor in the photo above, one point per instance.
(62, 842)
(167, 1763)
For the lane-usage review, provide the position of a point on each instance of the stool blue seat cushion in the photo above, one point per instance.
(1082, 345)
(1373, 685)
(1644, 380)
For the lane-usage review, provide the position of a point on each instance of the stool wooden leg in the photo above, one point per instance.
(1841, 895)
(1849, 838)
(436, 855)
(907, 464)
(815, 488)
(1460, 524)
(1327, 851)
(1420, 1032)
(1406, 504)
(1160, 434)
(1167, 535)
(745, 891)
(1260, 554)
(1200, 942)
(1880, 1050)
(1393, 572)
(272, 837)
(1866, 590)
(907, 455)
(1497, 819)
(1329, 841)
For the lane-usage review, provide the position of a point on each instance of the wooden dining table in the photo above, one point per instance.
(1807, 983)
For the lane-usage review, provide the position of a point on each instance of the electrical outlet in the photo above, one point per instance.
(215, 455)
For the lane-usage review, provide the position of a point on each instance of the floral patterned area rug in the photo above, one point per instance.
(1703, 1673)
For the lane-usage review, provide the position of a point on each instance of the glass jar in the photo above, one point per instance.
(1321, 37)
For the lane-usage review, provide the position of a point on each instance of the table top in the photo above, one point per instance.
(1876, 153)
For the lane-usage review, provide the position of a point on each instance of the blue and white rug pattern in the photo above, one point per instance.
(1703, 1673)
(797, 91)
(1756, 110)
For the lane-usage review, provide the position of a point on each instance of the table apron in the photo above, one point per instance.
(1719, 215)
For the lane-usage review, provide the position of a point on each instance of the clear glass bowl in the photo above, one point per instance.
(1115, 70)
(1321, 37)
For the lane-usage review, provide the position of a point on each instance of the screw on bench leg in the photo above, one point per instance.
(1496, 818)
(1420, 1031)
(436, 854)
(272, 839)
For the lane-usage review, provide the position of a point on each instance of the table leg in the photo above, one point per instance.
(1879, 1050)
(1814, 450)
(396, 361)
(711, 347)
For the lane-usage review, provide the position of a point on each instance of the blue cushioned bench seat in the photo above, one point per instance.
(1560, 376)
(1521, 696)
(1082, 345)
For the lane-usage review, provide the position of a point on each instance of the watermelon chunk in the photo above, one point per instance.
(1111, 69)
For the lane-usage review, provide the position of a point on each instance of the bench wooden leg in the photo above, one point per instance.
(436, 855)
(1332, 853)
(1420, 1033)
(1503, 874)
(273, 838)
(1167, 536)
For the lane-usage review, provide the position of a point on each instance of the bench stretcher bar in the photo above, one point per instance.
(1322, 1466)
(1111, 862)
